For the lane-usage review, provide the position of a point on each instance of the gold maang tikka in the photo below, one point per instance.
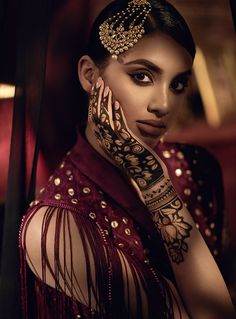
(117, 34)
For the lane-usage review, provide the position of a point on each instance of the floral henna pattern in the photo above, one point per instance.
(142, 165)
(173, 229)
(119, 143)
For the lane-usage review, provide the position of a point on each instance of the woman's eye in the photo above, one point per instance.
(179, 86)
(141, 77)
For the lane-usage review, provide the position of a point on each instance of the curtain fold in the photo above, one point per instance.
(32, 36)
(51, 35)
(233, 10)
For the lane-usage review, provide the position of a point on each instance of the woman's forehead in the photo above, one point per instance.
(160, 50)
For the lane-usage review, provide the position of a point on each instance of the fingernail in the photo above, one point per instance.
(117, 105)
(106, 91)
(99, 82)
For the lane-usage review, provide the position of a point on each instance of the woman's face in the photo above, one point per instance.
(150, 82)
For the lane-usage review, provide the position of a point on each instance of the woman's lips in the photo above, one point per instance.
(151, 128)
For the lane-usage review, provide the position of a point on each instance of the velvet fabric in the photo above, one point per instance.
(106, 207)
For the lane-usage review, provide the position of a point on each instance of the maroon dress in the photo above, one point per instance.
(111, 216)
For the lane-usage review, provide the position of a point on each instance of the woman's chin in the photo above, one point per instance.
(150, 140)
(153, 143)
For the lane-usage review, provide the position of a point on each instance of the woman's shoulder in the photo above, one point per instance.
(69, 191)
(197, 153)
(194, 167)
(179, 150)
(67, 187)
(198, 159)
(196, 176)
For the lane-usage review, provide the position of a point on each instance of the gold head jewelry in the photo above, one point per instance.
(123, 30)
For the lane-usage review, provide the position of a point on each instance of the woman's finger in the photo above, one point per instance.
(95, 100)
(103, 107)
(106, 108)
(90, 106)
(120, 124)
(100, 86)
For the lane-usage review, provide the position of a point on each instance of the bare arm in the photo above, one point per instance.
(199, 280)
(59, 253)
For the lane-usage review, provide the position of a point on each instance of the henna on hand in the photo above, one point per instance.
(143, 166)
(119, 143)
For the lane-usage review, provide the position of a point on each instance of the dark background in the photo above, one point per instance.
(40, 44)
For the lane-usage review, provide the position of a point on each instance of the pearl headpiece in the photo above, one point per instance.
(123, 30)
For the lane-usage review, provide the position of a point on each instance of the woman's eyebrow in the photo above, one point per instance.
(155, 68)
(151, 66)
(187, 73)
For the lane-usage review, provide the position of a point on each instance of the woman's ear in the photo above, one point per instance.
(88, 73)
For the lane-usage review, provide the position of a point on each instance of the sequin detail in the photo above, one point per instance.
(178, 172)
(86, 190)
(114, 224)
(57, 181)
(92, 215)
(125, 220)
(198, 212)
(103, 204)
(180, 155)
(68, 172)
(187, 191)
(166, 154)
(208, 232)
(57, 196)
(62, 165)
(71, 192)
(127, 231)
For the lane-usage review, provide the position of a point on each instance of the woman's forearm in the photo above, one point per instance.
(200, 283)
(199, 280)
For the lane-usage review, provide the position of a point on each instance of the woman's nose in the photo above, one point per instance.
(160, 102)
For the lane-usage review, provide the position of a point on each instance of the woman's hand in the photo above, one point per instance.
(188, 253)
(125, 149)
(145, 169)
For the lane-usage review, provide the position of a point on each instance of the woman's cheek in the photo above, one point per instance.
(127, 99)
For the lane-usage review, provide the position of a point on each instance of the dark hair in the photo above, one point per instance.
(163, 17)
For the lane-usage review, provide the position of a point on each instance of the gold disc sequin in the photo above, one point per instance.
(57, 196)
(114, 224)
(103, 204)
(57, 181)
(86, 190)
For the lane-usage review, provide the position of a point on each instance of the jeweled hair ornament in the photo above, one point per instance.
(123, 30)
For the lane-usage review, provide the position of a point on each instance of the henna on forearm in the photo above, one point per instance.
(143, 167)
(165, 207)
(172, 227)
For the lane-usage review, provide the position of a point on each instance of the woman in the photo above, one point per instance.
(109, 236)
